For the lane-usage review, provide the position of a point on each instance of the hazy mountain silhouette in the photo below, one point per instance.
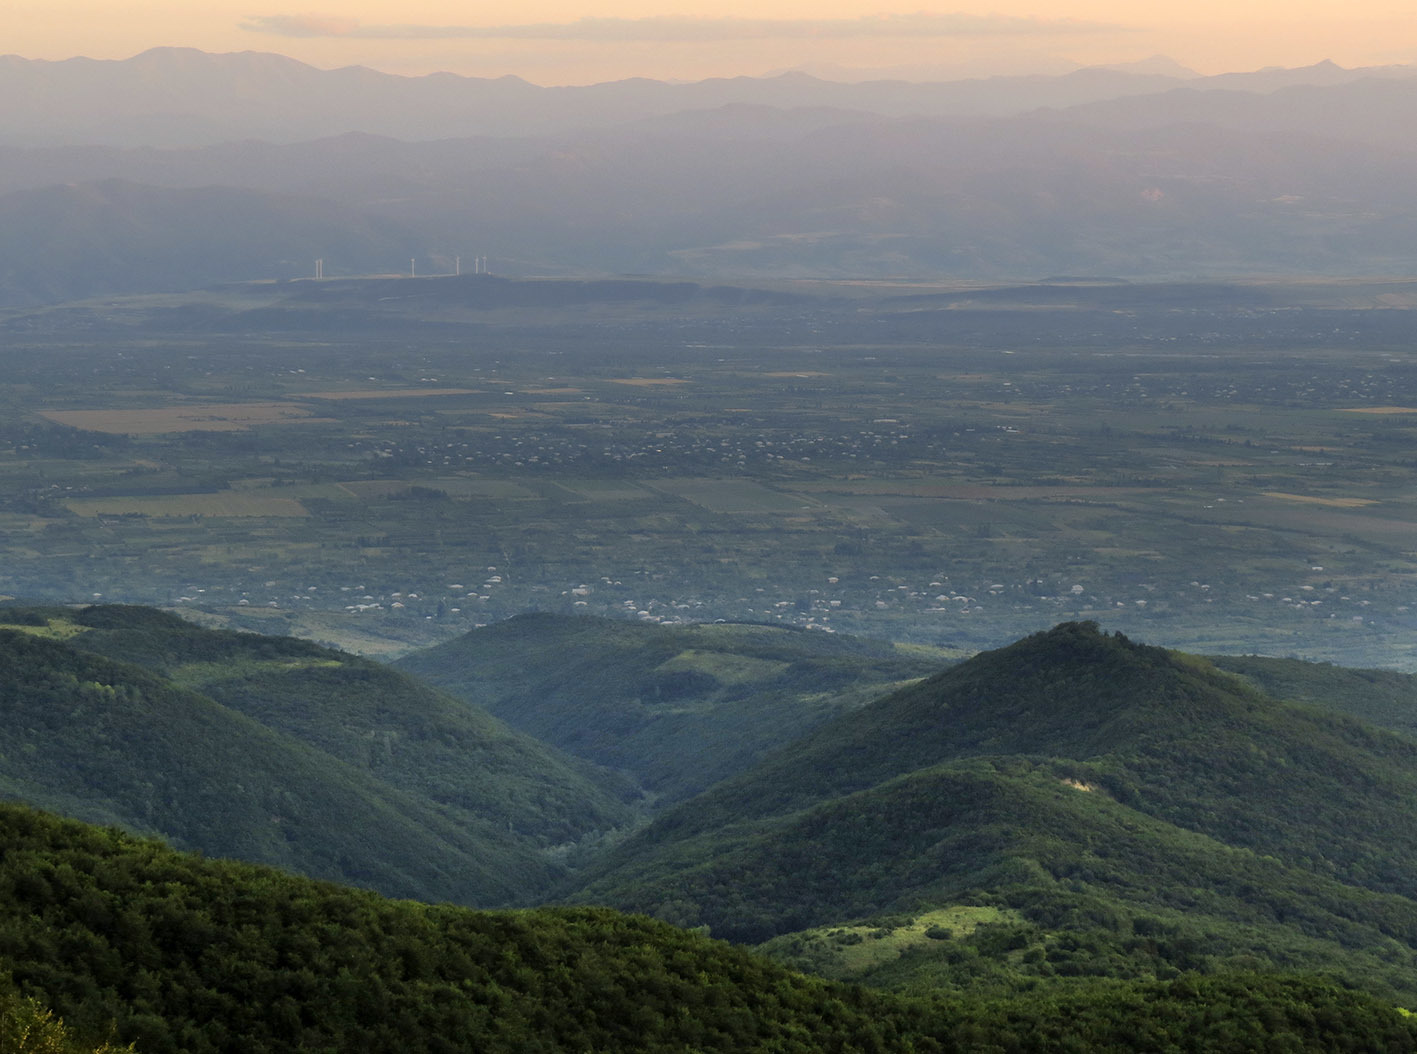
(181, 96)
(1094, 172)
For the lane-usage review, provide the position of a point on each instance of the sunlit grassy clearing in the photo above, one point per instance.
(844, 952)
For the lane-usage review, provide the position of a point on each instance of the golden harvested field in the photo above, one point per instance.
(1309, 499)
(206, 417)
(1380, 409)
(647, 382)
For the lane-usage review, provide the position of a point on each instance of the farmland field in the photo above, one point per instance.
(389, 393)
(209, 417)
(1217, 477)
(225, 503)
(733, 496)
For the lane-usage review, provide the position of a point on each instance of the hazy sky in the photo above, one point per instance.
(571, 42)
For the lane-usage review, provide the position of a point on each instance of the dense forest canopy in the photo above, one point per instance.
(177, 953)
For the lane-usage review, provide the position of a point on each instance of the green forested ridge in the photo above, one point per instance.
(108, 741)
(1069, 692)
(679, 707)
(1107, 791)
(176, 953)
(1230, 1012)
(1093, 889)
(196, 955)
(1382, 697)
(372, 717)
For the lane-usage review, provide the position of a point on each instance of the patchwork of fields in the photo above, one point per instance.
(955, 479)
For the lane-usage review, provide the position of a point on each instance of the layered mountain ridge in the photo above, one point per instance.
(1073, 820)
(180, 953)
(679, 707)
(1066, 772)
(183, 96)
(1096, 172)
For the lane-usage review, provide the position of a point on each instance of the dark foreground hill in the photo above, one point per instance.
(1101, 807)
(177, 953)
(679, 707)
(283, 752)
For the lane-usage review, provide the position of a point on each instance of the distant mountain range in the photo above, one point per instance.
(177, 169)
(185, 97)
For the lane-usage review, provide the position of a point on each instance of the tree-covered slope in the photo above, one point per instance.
(311, 760)
(111, 743)
(176, 953)
(1085, 887)
(195, 955)
(1383, 697)
(679, 707)
(1069, 777)
(385, 723)
(1184, 739)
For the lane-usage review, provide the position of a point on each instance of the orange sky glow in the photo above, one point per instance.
(563, 42)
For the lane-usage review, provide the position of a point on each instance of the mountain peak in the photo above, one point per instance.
(1070, 756)
(1072, 691)
(1084, 640)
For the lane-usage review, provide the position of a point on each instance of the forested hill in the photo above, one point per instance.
(394, 727)
(679, 707)
(1119, 809)
(1077, 693)
(176, 953)
(1385, 698)
(282, 752)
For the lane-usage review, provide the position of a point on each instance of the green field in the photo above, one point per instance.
(848, 952)
(226, 504)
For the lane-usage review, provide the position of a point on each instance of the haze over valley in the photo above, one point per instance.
(267, 165)
(824, 559)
